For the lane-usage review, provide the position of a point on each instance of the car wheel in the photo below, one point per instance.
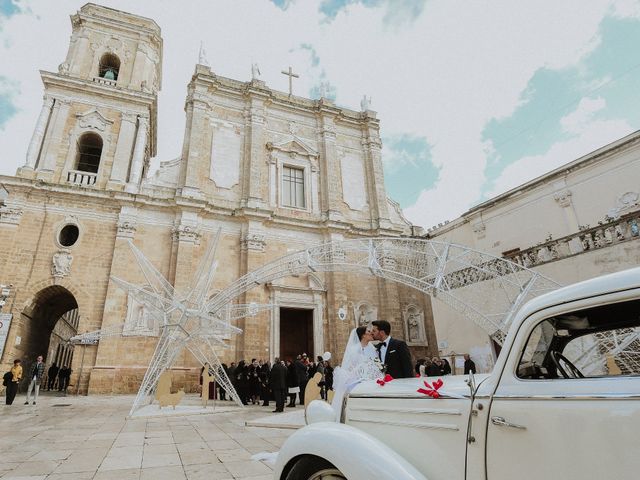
(314, 468)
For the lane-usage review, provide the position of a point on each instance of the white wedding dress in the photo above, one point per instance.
(358, 364)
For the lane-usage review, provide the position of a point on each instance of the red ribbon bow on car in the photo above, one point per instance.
(432, 390)
(382, 381)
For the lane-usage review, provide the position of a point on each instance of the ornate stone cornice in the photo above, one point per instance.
(253, 241)
(126, 229)
(186, 233)
(563, 197)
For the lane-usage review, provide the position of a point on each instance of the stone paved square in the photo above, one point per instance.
(91, 438)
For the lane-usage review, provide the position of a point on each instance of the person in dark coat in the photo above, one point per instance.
(302, 371)
(63, 378)
(393, 353)
(242, 382)
(278, 384)
(328, 376)
(254, 381)
(469, 365)
(264, 383)
(292, 383)
(446, 367)
(52, 373)
(435, 369)
(221, 391)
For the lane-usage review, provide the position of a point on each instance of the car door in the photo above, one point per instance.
(564, 428)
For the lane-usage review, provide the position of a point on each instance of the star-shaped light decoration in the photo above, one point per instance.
(185, 321)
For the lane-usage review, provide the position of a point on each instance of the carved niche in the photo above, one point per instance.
(364, 313)
(139, 321)
(413, 317)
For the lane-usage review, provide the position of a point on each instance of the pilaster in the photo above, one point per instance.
(53, 139)
(123, 151)
(255, 168)
(377, 193)
(329, 165)
(139, 151)
(38, 133)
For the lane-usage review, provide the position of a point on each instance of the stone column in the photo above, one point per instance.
(138, 156)
(38, 133)
(55, 132)
(123, 148)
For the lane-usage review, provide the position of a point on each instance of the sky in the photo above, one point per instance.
(474, 97)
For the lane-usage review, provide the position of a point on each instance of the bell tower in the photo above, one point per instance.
(98, 123)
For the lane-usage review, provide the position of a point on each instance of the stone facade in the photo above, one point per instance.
(65, 229)
(574, 223)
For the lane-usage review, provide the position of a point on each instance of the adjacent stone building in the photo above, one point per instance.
(571, 224)
(275, 172)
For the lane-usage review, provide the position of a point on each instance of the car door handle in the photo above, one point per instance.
(501, 422)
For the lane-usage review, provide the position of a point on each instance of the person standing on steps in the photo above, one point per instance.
(14, 381)
(35, 377)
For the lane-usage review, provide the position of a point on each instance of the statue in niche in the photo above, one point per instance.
(365, 313)
(414, 319)
(142, 319)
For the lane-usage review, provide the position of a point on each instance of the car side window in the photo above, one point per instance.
(594, 342)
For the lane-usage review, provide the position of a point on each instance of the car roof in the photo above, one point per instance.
(613, 282)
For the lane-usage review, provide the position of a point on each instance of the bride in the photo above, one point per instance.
(358, 364)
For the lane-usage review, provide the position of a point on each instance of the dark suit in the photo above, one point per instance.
(398, 359)
(278, 384)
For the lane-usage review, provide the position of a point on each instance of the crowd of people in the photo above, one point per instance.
(437, 367)
(260, 382)
(55, 377)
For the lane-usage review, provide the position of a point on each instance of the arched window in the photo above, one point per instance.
(109, 66)
(89, 151)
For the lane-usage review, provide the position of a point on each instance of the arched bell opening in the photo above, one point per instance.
(109, 67)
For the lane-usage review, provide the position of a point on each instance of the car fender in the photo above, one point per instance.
(355, 453)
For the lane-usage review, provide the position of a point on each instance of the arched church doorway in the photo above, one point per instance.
(49, 321)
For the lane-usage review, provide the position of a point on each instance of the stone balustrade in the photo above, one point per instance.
(105, 81)
(622, 229)
(84, 179)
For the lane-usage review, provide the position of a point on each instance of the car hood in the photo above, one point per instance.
(453, 386)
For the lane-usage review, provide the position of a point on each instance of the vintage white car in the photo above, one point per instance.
(536, 416)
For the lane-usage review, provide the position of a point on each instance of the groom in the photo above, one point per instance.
(392, 352)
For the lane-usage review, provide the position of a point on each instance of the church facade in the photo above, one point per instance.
(273, 172)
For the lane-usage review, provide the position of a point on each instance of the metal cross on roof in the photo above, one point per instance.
(291, 76)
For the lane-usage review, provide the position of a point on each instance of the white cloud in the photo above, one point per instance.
(588, 134)
(442, 76)
(576, 121)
